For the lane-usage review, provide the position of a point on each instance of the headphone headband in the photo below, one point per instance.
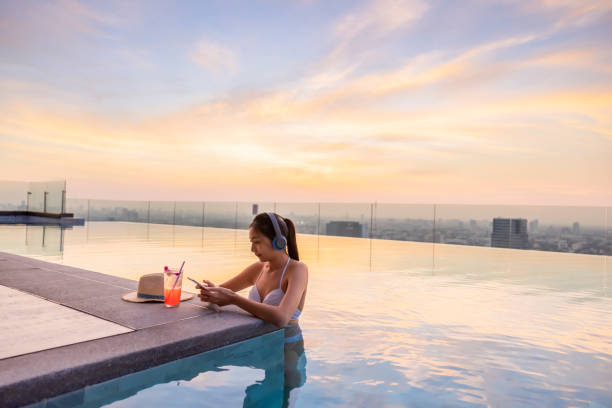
(279, 242)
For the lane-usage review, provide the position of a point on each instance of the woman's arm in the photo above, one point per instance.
(297, 280)
(245, 278)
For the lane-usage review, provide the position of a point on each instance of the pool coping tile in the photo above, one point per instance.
(160, 334)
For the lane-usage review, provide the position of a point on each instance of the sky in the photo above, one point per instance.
(399, 101)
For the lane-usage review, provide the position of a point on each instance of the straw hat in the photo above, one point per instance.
(151, 289)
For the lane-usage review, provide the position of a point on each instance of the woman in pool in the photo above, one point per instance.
(278, 278)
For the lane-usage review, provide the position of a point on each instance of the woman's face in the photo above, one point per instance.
(261, 245)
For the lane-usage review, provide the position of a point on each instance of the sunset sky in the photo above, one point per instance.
(476, 101)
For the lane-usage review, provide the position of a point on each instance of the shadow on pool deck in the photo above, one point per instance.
(158, 334)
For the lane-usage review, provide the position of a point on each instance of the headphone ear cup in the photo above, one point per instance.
(282, 242)
(279, 243)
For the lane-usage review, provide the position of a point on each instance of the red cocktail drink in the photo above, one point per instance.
(172, 287)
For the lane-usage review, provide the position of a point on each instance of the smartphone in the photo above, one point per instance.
(198, 284)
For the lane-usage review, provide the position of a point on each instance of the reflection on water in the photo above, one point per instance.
(33, 240)
(458, 326)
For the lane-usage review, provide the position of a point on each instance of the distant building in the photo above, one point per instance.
(533, 226)
(344, 228)
(576, 228)
(509, 233)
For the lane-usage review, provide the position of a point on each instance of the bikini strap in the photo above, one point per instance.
(260, 272)
(280, 284)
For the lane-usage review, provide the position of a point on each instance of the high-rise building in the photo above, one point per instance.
(533, 226)
(509, 233)
(344, 228)
(576, 228)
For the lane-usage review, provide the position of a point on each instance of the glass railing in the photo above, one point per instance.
(42, 196)
(547, 228)
(47, 196)
(13, 195)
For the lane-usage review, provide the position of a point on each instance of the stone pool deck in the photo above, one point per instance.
(64, 328)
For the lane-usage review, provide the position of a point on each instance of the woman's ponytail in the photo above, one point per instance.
(291, 240)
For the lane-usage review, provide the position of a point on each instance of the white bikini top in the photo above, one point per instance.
(275, 296)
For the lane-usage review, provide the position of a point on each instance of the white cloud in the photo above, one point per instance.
(213, 57)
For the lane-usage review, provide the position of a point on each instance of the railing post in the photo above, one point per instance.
(235, 214)
(62, 241)
(203, 214)
(203, 221)
(318, 229)
(372, 206)
(319, 220)
(371, 221)
(607, 234)
(148, 218)
(433, 239)
(433, 242)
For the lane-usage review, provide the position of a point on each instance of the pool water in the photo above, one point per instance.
(392, 323)
(254, 368)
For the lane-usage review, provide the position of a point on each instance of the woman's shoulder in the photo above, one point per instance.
(298, 265)
(296, 270)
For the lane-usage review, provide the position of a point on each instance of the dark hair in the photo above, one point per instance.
(263, 224)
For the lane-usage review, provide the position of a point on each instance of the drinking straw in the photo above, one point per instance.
(178, 276)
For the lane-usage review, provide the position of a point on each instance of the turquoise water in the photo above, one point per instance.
(255, 368)
(386, 323)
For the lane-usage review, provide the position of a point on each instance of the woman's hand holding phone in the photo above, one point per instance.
(198, 284)
(204, 291)
(217, 295)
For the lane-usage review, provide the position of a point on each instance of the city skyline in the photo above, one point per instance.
(397, 101)
(22, 195)
(573, 237)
